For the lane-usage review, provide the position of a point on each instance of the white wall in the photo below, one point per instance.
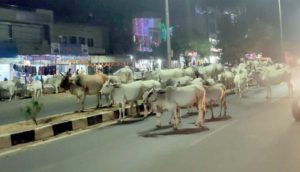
(5, 72)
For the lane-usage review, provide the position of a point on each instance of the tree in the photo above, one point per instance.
(247, 35)
(201, 46)
(182, 43)
(32, 110)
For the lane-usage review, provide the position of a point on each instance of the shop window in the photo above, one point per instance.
(81, 40)
(90, 42)
(64, 40)
(73, 40)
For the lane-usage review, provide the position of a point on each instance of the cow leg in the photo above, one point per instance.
(123, 110)
(145, 110)
(137, 108)
(200, 119)
(290, 89)
(224, 106)
(35, 93)
(82, 103)
(158, 122)
(120, 112)
(211, 109)
(178, 115)
(98, 100)
(10, 95)
(269, 92)
(240, 92)
(176, 123)
(221, 108)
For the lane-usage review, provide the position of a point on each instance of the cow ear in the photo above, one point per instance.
(161, 91)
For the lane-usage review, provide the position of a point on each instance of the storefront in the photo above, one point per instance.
(110, 64)
(8, 56)
(81, 64)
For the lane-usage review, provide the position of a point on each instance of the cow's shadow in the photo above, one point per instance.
(129, 120)
(218, 119)
(183, 131)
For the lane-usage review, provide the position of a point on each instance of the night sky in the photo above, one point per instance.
(118, 12)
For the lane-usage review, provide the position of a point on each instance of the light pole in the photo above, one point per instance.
(281, 32)
(168, 33)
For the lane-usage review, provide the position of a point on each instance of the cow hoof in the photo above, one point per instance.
(158, 126)
(175, 128)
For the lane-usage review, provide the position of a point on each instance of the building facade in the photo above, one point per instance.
(32, 31)
(25, 31)
(94, 38)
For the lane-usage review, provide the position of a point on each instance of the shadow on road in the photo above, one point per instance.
(219, 119)
(183, 131)
(130, 121)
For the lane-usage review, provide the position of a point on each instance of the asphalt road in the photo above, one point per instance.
(260, 136)
(52, 104)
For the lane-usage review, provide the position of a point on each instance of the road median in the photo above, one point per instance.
(26, 131)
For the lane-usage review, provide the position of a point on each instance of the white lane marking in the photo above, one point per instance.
(53, 139)
(212, 133)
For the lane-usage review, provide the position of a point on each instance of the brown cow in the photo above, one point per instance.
(83, 85)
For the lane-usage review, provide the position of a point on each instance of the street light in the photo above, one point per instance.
(168, 33)
(281, 32)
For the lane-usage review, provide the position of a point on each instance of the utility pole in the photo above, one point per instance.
(168, 33)
(281, 32)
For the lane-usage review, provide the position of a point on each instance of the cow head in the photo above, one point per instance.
(66, 82)
(152, 95)
(108, 86)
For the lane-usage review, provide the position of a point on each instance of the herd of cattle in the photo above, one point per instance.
(169, 89)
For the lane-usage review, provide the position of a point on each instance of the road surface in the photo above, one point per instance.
(260, 136)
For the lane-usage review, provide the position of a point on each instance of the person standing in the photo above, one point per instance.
(69, 74)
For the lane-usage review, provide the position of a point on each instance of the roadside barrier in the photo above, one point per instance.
(46, 131)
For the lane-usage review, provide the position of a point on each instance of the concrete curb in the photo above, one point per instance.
(47, 131)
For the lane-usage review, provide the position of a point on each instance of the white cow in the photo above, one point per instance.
(191, 72)
(166, 74)
(123, 93)
(54, 81)
(9, 86)
(227, 78)
(125, 74)
(174, 98)
(267, 78)
(148, 85)
(36, 87)
(211, 71)
(240, 82)
(181, 81)
(215, 93)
